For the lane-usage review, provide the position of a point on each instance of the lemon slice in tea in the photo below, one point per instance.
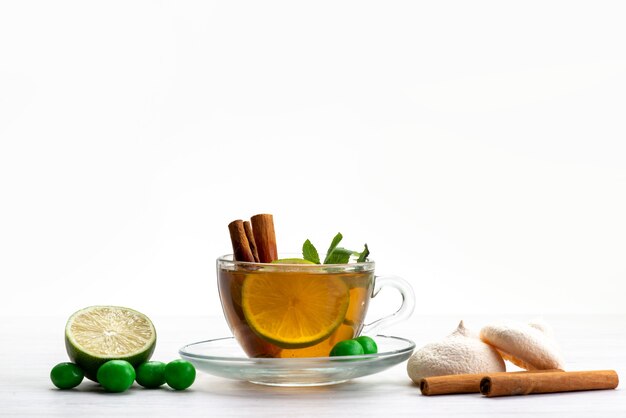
(97, 334)
(295, 311)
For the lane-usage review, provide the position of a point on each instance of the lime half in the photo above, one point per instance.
(97, 334)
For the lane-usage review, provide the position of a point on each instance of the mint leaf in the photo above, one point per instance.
(338, 256)
(336, 240)
(332, 247)
(363, 255)
(335, 254)
(309, 252)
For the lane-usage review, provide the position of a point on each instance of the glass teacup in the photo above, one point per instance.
(302, 310)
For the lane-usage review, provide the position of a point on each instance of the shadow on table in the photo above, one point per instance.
(355, 388)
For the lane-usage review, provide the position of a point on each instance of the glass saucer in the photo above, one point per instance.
(223, 357)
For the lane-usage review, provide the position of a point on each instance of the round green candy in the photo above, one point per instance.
(151, 374)
(368, 344)
(180, 374)
(116, 375)
(347, 348)
(66, 375)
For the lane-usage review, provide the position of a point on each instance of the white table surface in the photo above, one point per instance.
(31, 346)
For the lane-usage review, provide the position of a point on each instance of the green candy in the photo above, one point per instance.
(151, 374)
(116, 376)
(180, 374)
(368, 344)
(66, 375)
(347, 348)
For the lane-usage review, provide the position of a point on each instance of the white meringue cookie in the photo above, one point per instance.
(459, 353)
(530, 346)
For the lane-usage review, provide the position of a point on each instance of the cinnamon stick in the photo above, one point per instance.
(529, 383)
(461, 383)
(264, 237)
(248, 228)
(241, 246)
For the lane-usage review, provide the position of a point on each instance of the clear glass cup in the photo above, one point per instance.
(302, 310)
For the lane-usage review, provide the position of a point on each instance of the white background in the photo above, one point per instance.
(479, 148)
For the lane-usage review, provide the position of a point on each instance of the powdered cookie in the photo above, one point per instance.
(530, 346)
(461, 352)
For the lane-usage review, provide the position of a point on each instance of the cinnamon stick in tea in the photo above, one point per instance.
(264, 237)
(241, 246)
(529, 383)
(461, 383)
(248, 228)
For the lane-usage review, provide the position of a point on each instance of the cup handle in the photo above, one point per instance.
(406, 308)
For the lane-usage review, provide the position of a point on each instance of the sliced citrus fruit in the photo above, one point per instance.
(294, 312)
(97, 334)
(292, 261)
